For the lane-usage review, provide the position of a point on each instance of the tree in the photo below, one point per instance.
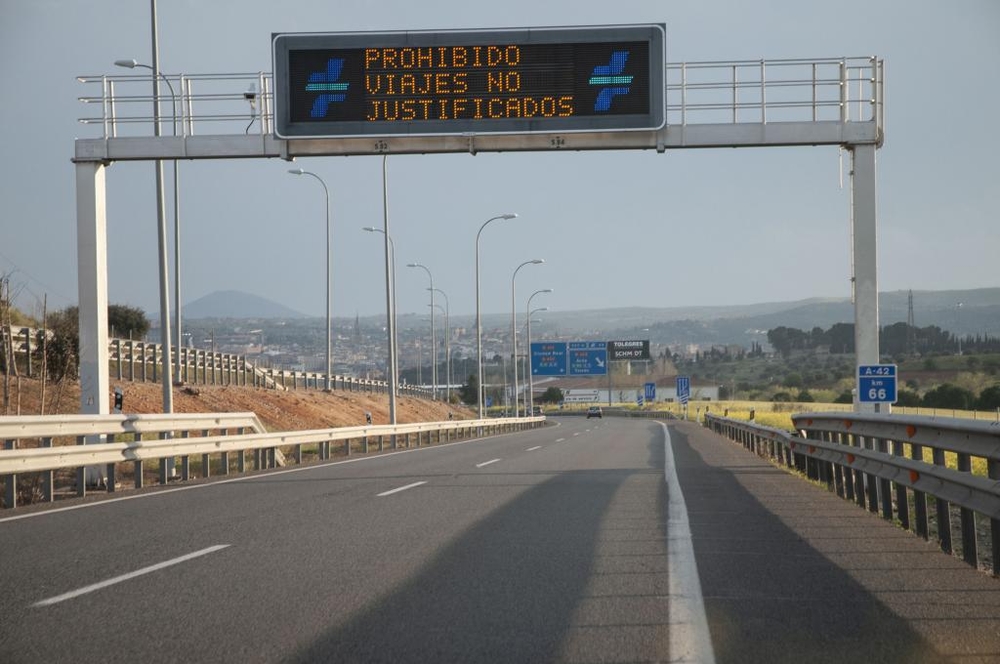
(552, 395)
(908, 398)
(805, 397)
(127, 321)
(62, 352)
(470, 391)
(989, 399)
(949, 396)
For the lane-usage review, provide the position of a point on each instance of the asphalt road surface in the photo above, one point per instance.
(569, 543)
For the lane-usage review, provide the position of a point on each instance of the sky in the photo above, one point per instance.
(615, 228)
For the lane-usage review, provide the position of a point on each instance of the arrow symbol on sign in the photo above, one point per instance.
(599, 361)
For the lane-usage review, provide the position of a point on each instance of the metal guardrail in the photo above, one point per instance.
(174, 441)
(139, 361)
(875, 460)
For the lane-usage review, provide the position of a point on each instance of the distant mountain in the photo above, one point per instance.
(237, 304)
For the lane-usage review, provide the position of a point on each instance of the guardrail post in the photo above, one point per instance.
(163, 462)
(137, 466)
(131, 360)
(298, 454)
(347, 447)
(118, 354)
(993, 472)
(858, 477)
(970, 552)
(257, 459)
(919, 498)
(109, 470)
(185, 463)
(81, 473)
(206, 460)
(902, 504)
(884, 486)
(48, 477)
(241, 461)
(10, 481)
(871, 480)
(943, 516)
(156, 365)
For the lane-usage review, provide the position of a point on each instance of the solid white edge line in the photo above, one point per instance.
(486, 463)
(532, 449)
(398, 489)
(131, 575)
(246, 478)
(690, 639)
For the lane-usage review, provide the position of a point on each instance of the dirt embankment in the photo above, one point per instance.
(279, 411)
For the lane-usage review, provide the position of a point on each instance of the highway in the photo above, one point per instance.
(570, 543)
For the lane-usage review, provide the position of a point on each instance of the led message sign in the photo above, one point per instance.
(469, 82)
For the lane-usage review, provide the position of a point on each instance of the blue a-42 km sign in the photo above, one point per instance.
(877, 383)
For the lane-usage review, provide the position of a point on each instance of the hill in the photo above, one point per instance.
(279, 411)
(237, 304)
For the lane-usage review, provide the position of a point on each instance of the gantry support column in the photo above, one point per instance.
(864, 217)
(92, 284)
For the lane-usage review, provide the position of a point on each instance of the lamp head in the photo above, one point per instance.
(509, 215)
(128, 64)
(538, 261)
(296, 171)
(370, 229)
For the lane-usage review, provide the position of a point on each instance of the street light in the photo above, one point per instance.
(392, 365)
(329, 332)
(447, 342)
(445, 312)
(434, 369)
(513, 322)
(479, 322)
(531, 382)
(168, 398)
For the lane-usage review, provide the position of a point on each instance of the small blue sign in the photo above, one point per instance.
(548, 358)
(683, 389)
(649, 391)
(877, 383)
(638, 400)
(588, 358)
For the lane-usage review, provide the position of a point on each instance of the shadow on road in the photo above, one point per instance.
(505, 591)
(770, 595)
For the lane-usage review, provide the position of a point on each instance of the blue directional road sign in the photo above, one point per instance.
(877, 383)
(548, 358)
(588, 358)
(649, 391)
(683, 389)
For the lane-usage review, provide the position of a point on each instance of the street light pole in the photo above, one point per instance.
(132, 64)
(513, 322)
(434, 370)
(390, 296)
(392, 364)
(329, 331)
(531, 382)
(479, 321)
(447, 343)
